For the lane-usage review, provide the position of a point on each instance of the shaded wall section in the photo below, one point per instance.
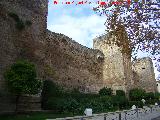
(27, 43)
(73, 65)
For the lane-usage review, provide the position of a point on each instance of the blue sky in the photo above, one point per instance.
(78, 22)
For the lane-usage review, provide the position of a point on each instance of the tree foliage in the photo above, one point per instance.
(141, 19)
(22, 78)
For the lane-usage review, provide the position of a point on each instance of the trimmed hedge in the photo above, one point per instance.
(136, 94)
(136, 103)
(105, 91)
(120, 93)
(74, 102)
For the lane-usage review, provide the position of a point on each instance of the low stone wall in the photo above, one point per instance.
(147, 113)
(25, 104)
(7, 103)
(29, 103)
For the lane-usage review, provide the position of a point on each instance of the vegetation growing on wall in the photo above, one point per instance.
(20, 24)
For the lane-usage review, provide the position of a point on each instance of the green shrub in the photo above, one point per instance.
(78, 96)
(100, 104)
(120, 101)
(75, 102)
(151, 101)
(157, 95)
(50, 90)
(120, 93)
(138, 104)
(105, 91)
(22, 79)
(64, 105)
(136, 94)
(149, 96)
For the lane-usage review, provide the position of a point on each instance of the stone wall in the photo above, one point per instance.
(73, 65)
(144, 76)
(27, 43)
(61, 59)
(117, 66)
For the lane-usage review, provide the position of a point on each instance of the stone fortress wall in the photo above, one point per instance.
(116, 66)
(144, 76)
(27, 43)
(74, 65)
(63, 60)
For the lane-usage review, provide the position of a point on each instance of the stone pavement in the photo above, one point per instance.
(158, 118)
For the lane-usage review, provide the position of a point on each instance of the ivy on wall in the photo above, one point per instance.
(20, 24)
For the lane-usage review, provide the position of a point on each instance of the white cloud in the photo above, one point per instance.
(78, 22)
(82, 29)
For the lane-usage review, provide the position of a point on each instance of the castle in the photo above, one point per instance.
(64, 61)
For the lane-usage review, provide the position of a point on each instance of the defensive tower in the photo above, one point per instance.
(117, 60)
(144, 76)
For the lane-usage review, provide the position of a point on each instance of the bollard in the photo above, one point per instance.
(119, 116)
(125, 115)
(88, 112)
(137, 112)
(81, 118)
(104, 117)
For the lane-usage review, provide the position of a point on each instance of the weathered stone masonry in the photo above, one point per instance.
(27, 43)
(144, 76)
(116, 66)
(75, 66)
(64, 61)
(15, 44)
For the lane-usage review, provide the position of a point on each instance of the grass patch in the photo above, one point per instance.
(33, 116)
